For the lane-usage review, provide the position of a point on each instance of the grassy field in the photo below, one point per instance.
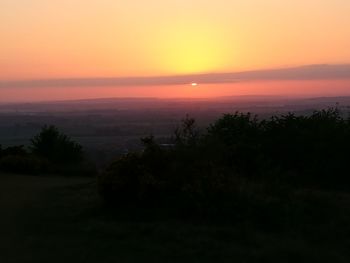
(58, 219)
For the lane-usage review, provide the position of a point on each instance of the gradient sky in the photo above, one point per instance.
(119, 38)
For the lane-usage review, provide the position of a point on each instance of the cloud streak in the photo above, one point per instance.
(311, 72)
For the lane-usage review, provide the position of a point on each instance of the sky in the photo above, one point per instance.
(57, 39)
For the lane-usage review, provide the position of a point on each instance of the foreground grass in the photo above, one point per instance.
(58, 219)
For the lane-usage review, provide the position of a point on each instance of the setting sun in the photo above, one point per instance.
(83, 40)
(174, 131)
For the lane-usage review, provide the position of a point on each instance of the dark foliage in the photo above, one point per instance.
(51, 152)
(236, 156)
(56, 146)
(313, 150)
(14, 150)
(23, 164)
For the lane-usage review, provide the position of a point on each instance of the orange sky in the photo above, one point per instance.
(290, 88)
(103, 38)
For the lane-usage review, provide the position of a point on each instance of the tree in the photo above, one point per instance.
(188, 133)
(56, 146)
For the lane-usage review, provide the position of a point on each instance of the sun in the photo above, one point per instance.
(194, 84)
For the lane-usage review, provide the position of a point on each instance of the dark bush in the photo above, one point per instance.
(13, 150)
(234, 141)
(23, 164)
(313, 148)
(57, 147)
(178, 175)
(51, 152)
(238, 150)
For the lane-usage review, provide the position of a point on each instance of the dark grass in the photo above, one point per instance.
(59, 219)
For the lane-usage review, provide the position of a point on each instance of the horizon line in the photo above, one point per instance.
(306, 72)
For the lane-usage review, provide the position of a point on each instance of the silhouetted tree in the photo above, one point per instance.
(56, 146)
(187, 133)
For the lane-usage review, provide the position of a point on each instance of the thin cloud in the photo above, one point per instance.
(312, 72)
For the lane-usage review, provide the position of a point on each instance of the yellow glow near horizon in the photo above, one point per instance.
(118, 38)
(191, 48)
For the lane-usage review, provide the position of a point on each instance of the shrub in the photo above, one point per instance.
(24, 164)
(13, 150)
(314, 148)
(51, 152)
(209, 170)
(57, 147)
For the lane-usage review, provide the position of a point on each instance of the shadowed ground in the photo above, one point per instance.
(57, 219)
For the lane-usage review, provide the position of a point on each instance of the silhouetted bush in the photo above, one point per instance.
(13, 150)
(23, 164)
(16, 159)
(236, 152)
(51, 152)
(180, 173)
(314, 149)
(66, 156)
(57, 147)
